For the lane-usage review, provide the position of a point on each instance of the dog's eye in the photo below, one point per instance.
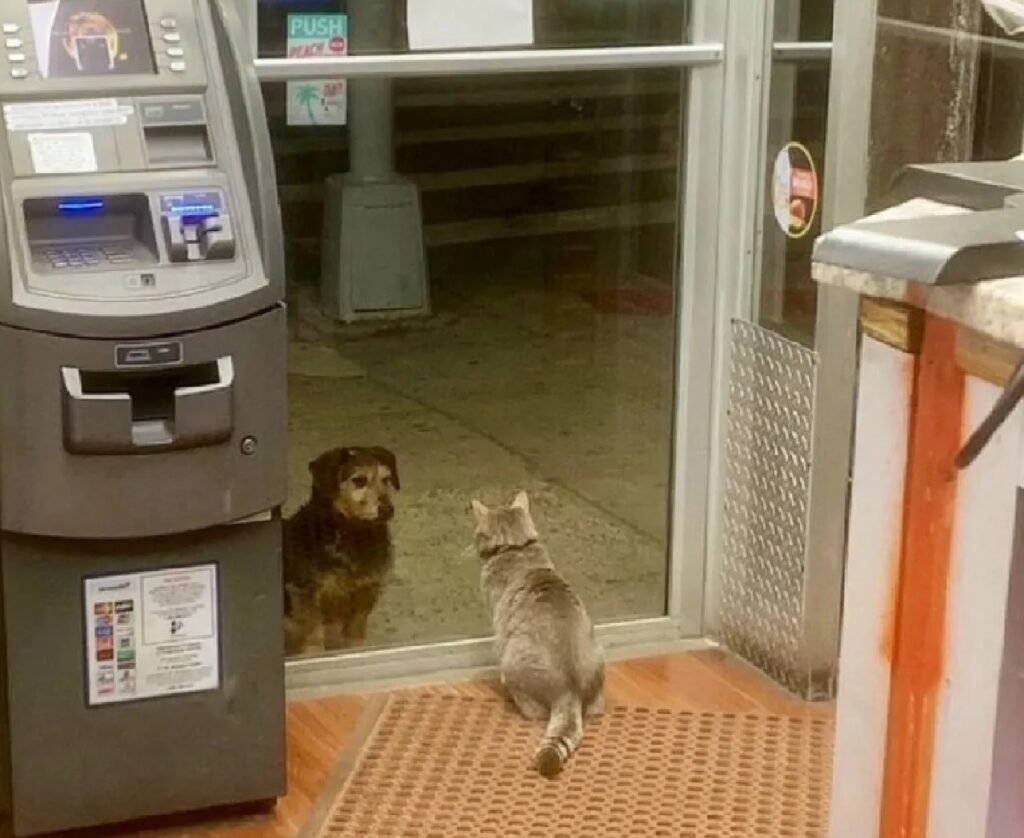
(360, 481)
(387, 479)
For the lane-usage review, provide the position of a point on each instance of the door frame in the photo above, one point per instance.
(836, 333)
(724, 49)
(835, 340)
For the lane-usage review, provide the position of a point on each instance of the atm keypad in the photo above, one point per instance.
(88, 256)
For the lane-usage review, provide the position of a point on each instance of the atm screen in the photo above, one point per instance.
(91, 38)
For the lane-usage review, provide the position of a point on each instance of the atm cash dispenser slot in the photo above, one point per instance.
(90, 233)
(140, 412)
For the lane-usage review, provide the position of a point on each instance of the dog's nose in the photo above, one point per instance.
(386, 512)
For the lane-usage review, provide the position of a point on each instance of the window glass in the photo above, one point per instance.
(493, 301)
(388, 26)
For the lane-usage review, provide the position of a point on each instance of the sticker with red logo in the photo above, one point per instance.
(795, 190)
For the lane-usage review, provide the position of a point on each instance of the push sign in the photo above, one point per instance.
(322, 102)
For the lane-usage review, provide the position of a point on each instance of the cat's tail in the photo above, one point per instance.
(562, 737)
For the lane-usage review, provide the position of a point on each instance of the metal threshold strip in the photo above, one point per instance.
(488, 61)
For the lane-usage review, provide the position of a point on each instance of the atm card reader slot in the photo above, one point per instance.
(196, 228)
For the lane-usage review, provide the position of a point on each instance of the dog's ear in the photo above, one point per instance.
(521, 501)
(326, 471)
(479, 511)
(388, 458)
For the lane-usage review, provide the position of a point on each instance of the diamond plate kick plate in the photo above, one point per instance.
(768, 463)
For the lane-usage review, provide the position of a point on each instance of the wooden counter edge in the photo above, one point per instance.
(984, 357)
(898, 325)
(901, 326)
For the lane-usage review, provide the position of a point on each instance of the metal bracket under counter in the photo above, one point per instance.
(985, 244)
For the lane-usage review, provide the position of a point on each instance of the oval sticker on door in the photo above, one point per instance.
(795, 190)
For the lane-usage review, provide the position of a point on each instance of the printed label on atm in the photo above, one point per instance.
(152, 634)
(63, 153)
(80, 113)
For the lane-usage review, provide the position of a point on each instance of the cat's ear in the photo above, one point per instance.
(522, 501)
(479, 511)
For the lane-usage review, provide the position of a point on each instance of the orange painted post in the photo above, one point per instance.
(920, 614)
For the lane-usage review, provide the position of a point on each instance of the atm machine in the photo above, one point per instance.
(142, 415)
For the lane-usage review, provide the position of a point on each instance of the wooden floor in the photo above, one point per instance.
(318, 730)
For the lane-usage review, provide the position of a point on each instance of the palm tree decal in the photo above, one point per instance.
(307, 95)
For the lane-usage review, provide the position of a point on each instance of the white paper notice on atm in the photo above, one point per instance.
(80, 113)
(469, 24)
(63, 153)
(152, 634)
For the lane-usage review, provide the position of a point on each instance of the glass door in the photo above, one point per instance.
(774, 595)
(794, 165)
(488, 290)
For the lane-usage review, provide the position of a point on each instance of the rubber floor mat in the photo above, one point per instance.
(439, 766)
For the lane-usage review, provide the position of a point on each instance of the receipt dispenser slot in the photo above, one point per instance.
(178, 145)
(175, 132)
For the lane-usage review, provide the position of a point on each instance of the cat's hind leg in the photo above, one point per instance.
(527, 676)
(593, 695)
(595, 707)
(529, 707)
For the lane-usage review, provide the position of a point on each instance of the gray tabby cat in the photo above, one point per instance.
(551, 664)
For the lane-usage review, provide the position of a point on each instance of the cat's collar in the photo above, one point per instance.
(491, 552)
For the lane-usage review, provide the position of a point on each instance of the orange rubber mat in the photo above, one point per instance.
(439, 766)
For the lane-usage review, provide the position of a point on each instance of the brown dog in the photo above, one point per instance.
(337, 548)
